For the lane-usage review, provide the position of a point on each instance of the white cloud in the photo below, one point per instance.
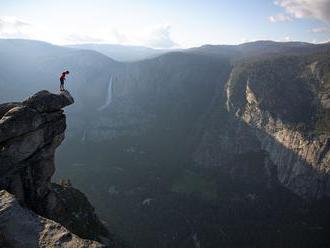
(324, 41)
(13, 27)
(244, 40)
(287, 38)
(160, 37)
(119, 36)
(321, 42)
(156, 37)
(11, 22)
(280, 17)
(316, 9)
(320, 30)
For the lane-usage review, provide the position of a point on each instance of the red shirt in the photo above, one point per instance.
(62, 76)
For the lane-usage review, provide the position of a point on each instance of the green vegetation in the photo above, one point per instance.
(322, 122)
(192, 182)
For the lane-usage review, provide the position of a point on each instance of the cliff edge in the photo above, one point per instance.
(30, 132)
(290, 119)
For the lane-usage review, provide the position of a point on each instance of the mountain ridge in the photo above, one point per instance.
(122, 53)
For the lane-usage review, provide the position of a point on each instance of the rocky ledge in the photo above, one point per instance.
(28, 229)
(30, 132)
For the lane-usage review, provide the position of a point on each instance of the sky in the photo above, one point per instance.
(165, 23)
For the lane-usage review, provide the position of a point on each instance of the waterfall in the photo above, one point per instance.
(109, 97)
(83, 138)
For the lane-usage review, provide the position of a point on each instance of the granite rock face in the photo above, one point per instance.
(30, 132)
(44, 101)
(29, 137)
(71, 208)
(21, 227)
(303, 162)
(278, 106)
(285, 119)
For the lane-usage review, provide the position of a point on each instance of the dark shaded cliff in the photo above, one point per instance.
(285, 102)
(30, 132)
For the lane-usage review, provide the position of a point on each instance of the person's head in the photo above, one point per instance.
(67, 72)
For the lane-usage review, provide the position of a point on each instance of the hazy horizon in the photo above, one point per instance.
(169, 49)
(167, 24)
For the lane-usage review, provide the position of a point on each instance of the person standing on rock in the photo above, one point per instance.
(62, 79)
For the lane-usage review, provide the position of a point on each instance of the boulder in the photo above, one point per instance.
(45, 101)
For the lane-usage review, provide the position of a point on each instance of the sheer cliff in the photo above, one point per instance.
(286, 102)
(279, 105)
(33, 210)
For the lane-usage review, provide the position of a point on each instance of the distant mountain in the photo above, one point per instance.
(28, 66)
(121, 52)
(261, 49)
(216, 146)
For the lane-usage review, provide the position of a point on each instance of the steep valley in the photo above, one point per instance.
(187, 154)
(218, 146)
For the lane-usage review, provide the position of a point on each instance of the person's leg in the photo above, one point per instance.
(61, 85)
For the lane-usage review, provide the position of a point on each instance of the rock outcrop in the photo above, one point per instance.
(30, 132)
(21, 227)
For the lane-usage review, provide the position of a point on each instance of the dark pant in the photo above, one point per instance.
(62, 84)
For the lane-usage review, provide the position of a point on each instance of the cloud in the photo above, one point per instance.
(244, 40)
(316, 9)
(156, 37)
(287, 38)
(13, 27)
(119, 36)
(160, 37)
(322, 42)
(320, 30)
(280, 17)
(11, 22)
